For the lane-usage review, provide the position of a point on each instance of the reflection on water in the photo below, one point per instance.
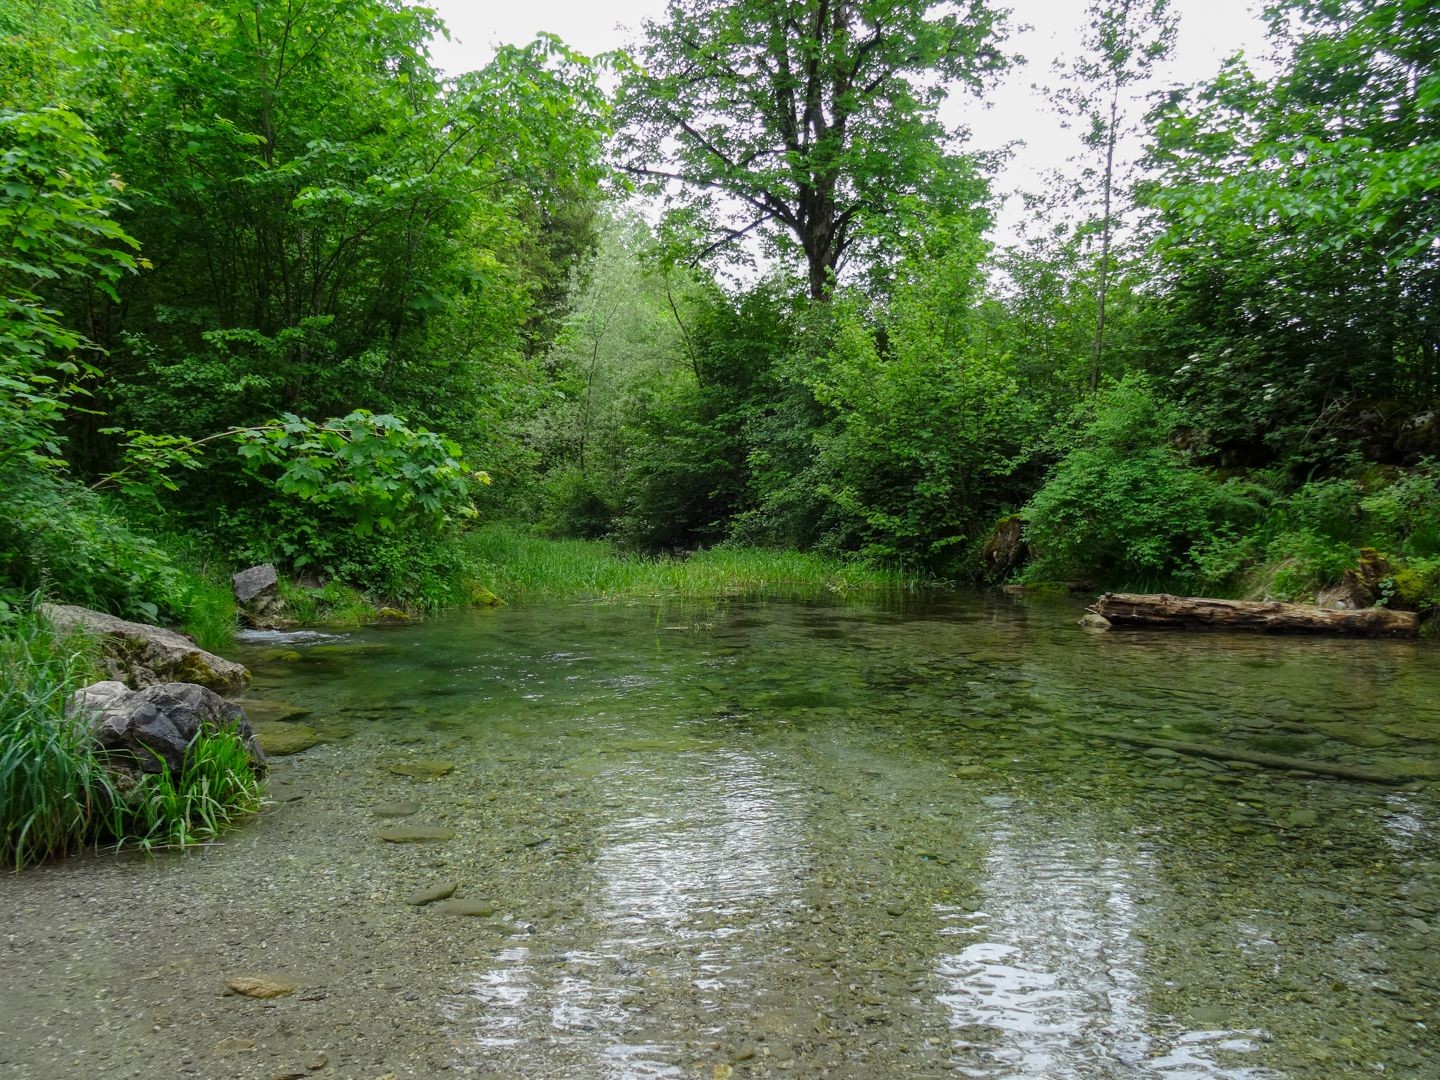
(851, 840)
(690, 894)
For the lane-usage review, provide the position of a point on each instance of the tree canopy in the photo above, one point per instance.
(810, 121)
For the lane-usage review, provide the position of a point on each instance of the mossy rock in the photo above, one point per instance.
(478, 595)
(279, 656)
(394, 615)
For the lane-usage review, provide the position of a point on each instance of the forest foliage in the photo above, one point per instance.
(275, 288)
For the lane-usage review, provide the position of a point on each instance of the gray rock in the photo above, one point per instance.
(256, 589)
(257, 594)
(140, 655)
(150, 729)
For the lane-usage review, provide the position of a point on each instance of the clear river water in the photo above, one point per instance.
(829, 838)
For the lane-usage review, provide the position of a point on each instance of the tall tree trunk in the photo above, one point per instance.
(1105, 229)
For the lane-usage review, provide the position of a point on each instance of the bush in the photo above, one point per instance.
(1123, 504)
(1407, 512)
(575, 506)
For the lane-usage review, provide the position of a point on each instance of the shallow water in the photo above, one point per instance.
(842, 839)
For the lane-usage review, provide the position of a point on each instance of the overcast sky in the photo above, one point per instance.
(1209, 31)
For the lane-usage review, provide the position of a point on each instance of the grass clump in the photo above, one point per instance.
(215, 789)
(55, 796)
(519, 566)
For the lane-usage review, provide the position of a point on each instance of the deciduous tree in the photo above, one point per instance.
(810, 122)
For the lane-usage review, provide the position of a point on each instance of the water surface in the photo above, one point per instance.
(851, 839)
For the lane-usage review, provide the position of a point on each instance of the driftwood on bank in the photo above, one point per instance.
(1197, 612)
(1254, 757)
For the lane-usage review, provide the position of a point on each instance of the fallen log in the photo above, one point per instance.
(1254, 757)
(1201, 613)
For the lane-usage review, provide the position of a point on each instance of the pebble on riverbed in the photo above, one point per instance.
(259, 986)
(430, 895)
(415, 834)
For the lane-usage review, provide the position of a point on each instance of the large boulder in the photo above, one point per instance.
(149, 730)
(139, 655)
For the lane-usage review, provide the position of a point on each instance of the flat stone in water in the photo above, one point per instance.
(269, 710)
(415, 834)
(281, 740)
(396, 809)
(480, 909)
(442, 891)
(423, 770)
(1415, 730)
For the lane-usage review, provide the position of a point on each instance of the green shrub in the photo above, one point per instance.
(1415, 586)
(73, 545)
(576, 506)
(1407, 512)
(1123, 504)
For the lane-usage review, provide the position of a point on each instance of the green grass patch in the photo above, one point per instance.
(332, 604)
(519, 567)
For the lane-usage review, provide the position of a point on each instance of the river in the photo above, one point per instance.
(830, 838)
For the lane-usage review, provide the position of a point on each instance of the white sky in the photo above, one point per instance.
(1209, 31)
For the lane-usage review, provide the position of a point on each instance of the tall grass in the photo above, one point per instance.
(216, 787)
(54, 795)
(519, 566)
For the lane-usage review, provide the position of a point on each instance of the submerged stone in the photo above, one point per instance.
(281, 740)
(442, 891)
(478, 909)
(260, 986)
(422, 770)
(1414, 730)
(279, 656)
(269, 710)
(415, 834)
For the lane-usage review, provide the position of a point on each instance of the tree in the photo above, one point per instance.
(1298, 225)
(812, 122)
(1124, 39)
(58, 199)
